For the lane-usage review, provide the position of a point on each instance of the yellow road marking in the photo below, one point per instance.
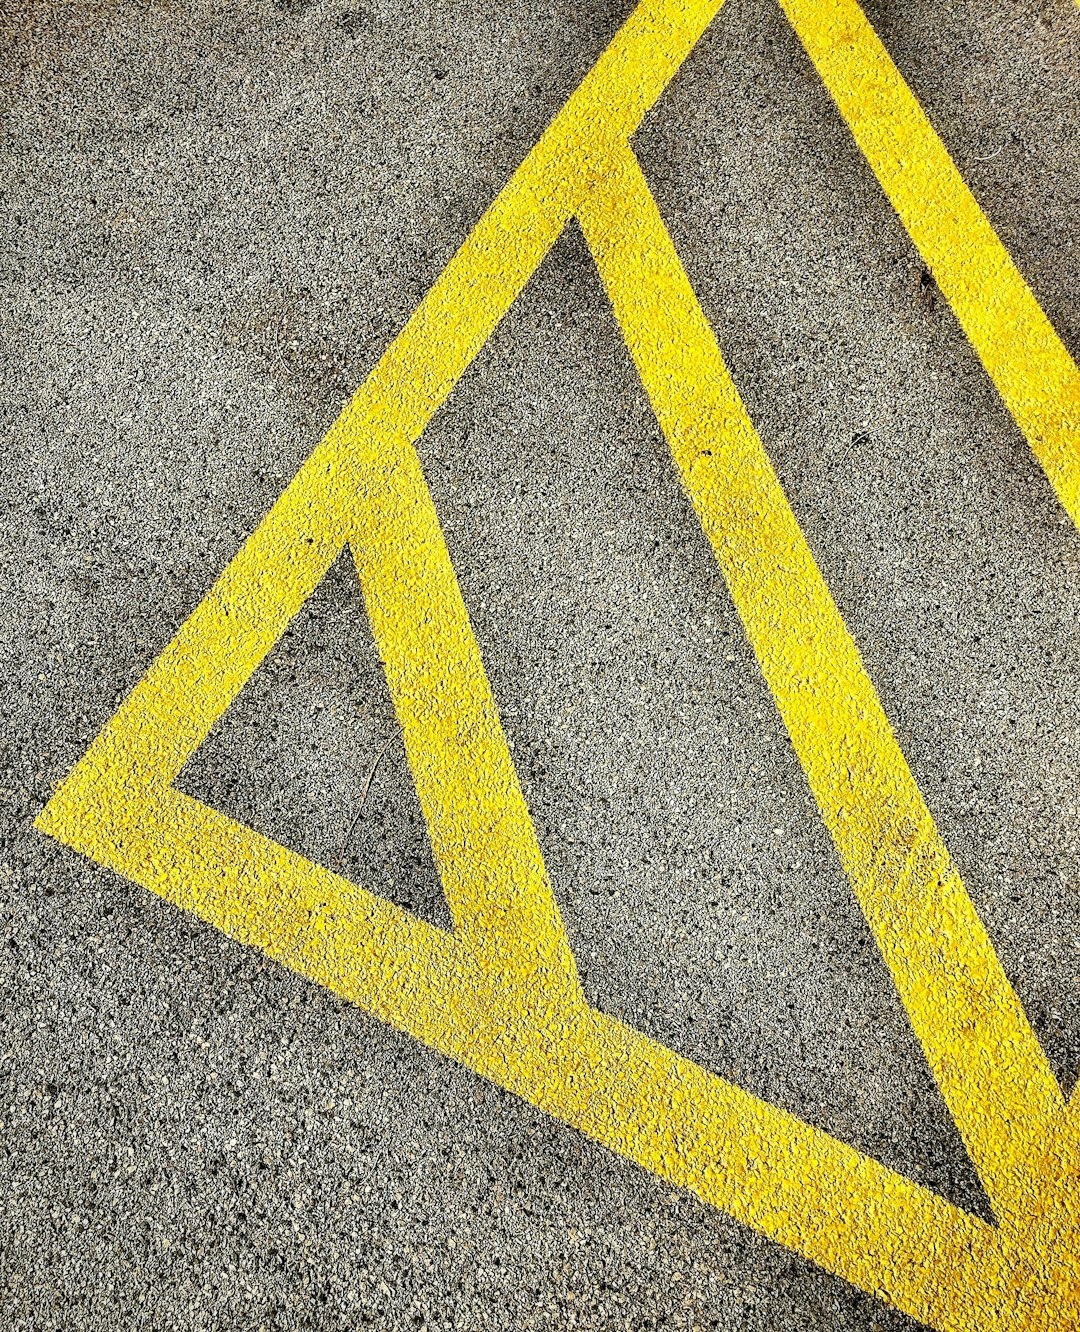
(500, 993)
(983, 1054)
(1025, 358)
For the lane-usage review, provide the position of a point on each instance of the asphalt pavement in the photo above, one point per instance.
(215, 218)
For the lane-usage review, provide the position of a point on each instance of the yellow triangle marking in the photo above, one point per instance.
(500, 992)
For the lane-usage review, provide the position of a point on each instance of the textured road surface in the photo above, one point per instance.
(215, 217)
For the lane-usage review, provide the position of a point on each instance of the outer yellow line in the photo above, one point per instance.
(788, 1180)
(981, 1049)
(1015, 341)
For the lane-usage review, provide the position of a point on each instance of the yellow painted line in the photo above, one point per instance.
(500, 993)
(1018, 346)
(983, 1054)
(1023, 355)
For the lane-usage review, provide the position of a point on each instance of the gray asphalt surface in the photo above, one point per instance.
(215, 217)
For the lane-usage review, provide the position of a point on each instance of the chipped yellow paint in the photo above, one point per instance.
(500, 992)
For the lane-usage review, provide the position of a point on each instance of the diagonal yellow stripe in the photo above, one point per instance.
(981, 1049)
(1023, 355)
(394, 532)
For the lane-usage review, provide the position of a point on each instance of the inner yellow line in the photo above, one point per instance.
(984, 1055)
